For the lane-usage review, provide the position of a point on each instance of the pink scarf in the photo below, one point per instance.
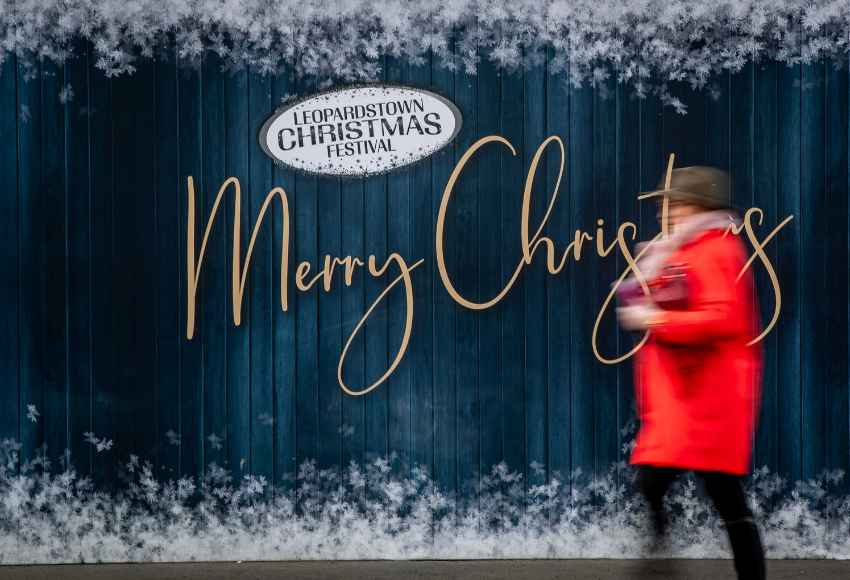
(691, 227)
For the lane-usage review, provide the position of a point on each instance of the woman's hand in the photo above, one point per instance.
(639, 316)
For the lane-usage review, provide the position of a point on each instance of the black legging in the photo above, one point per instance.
(727, 493)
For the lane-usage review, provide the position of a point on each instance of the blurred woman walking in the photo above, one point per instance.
(697, 377)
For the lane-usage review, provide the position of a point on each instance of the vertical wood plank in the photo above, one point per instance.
(462, 242)
(835, 211)
(399, 385)
(191, 155)
(559, 295)
(684, 134)
(814, 311)
(33, 261)
(491, 279)
(718, 124)
(603, 272)
(353, 220)
(103, 347)
(285, 329)
(421, 350)
(376, 330)
(537, 279)
(628, 155)
(79, 296)
(55, 276)
(653, 161)
(445, 417)
(581, 172)
(627, 187)
(765, 183)
(263, 292)
(170, 278)
(215, 276)
(239, 140)
(742, 143)
(330, 325)
(134, 272)
(307, 330)
(513, 330)
(10, 254)
(742, 136)
(789, 271)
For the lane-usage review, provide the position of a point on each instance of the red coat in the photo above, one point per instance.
(697, 382)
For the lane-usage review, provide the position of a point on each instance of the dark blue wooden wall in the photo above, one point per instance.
(92, 273)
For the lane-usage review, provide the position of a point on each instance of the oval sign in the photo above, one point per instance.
(360, 131)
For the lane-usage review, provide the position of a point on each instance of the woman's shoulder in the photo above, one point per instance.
(722, 240)
(713, 249)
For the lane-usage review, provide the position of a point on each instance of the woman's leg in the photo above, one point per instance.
(653, 482)
(727, 493)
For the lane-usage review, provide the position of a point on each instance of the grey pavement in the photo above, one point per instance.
(429, 569)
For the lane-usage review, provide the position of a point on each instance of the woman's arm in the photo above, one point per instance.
(716, 312)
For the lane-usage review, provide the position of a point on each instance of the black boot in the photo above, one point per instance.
(656, 563)
(746, 549)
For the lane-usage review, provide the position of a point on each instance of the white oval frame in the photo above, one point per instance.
(281, 110)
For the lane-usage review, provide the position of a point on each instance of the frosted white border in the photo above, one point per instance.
(646, 43)
(382, 509)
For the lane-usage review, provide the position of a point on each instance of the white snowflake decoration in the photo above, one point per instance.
(100, 444)
(215, 441)
(646, 43)
(173, 437)
(66, 95)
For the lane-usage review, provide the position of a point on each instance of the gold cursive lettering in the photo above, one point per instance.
(530, 243)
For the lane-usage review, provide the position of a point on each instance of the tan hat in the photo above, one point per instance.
(704, 186)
